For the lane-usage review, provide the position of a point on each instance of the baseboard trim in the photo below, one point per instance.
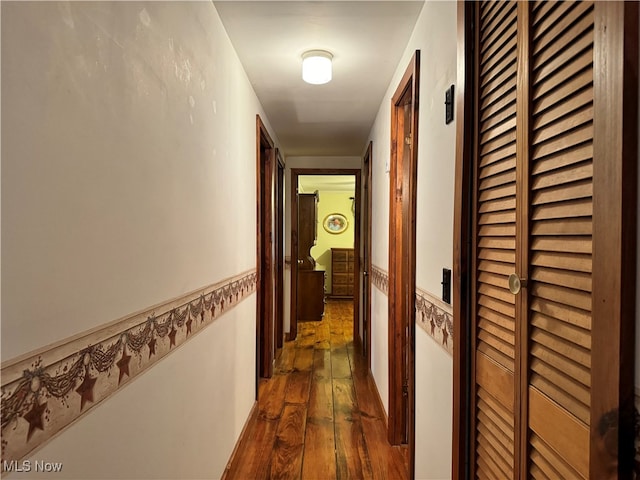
(242, 439)
(380, 405)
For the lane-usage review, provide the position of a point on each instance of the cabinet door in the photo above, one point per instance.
(311, 295)
(307, 229)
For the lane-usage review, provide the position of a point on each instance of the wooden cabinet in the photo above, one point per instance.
(310, 286)
(307, 229)
(310, 295)
(342, 272)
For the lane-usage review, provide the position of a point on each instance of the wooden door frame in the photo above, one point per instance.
(265, 286)
(615, 90)
(402, 275)
(462, 252)
(614, 232)
(295, 173)
(366, 273)
(279, 241)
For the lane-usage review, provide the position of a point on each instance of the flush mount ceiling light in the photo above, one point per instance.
(316, 67)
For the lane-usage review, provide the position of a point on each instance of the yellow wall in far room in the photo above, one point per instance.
(332, 202)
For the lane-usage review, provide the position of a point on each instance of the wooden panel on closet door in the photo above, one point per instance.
(495, 241)
(560, 239)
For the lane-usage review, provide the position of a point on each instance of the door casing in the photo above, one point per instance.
(402, 258)
(295, 173)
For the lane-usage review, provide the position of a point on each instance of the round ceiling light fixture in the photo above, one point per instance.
(316, 67)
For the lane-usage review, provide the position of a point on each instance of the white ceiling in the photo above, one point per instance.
(366, 38)
(327, 183)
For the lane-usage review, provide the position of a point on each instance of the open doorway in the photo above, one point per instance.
(325, 239)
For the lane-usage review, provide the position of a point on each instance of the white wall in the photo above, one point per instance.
(380, 248)
(434, 408)
(126, 126)
(380, 155)
(346, 163)
(380, 344)
(176, 421)
(435, 37)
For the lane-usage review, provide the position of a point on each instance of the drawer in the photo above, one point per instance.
(351, 255)
(351, 267)
(339, 256)
(342, 290)
(341, 267)
(341, 278)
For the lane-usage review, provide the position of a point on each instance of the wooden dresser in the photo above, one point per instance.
(342, 272)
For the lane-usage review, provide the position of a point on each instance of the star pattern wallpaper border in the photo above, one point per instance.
(45, 391)
(433, 315)
(436, 318)
(380, 279)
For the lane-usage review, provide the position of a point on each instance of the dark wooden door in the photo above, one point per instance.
(265, 348)
(366, 254)
(540, 403)
(279, 247)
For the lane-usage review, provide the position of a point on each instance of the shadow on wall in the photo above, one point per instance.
(324, 258)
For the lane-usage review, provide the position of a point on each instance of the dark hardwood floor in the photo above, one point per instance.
(319, 417)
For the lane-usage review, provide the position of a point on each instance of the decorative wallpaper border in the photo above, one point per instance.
(432, 314)
(380, 279)
(436, 318)
(45, 391)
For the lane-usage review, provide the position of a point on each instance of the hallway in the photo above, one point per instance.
(318, 416)
(151, 248)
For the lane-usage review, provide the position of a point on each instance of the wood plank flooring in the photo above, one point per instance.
(319, 417)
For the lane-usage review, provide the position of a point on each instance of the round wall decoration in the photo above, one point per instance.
(335, 223)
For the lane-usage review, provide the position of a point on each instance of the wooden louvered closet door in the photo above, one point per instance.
(560, 229)
(495, 308)
(531, 380)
